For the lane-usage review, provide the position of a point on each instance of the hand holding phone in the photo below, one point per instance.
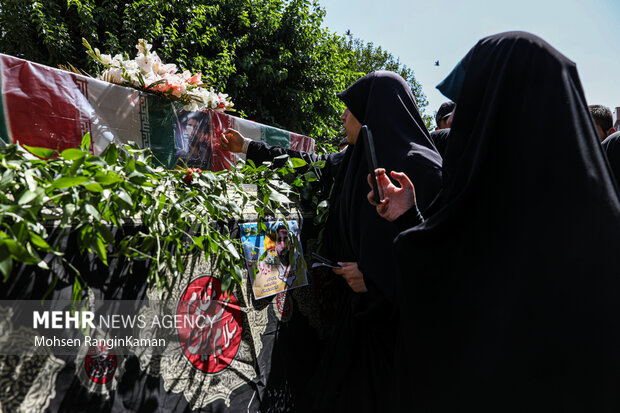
(324, 261)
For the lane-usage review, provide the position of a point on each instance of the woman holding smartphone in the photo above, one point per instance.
(357, 368)
(510, 290)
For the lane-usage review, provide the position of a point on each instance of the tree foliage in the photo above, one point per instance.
(368, 57)
(273, 57)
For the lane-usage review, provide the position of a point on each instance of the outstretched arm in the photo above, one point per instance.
(232, 141)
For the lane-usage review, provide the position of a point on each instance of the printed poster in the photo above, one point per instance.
(274, 257)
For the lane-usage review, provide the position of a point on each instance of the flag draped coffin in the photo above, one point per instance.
(262, 352)
(52, 108)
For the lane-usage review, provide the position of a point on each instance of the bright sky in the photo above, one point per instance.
(421, 32)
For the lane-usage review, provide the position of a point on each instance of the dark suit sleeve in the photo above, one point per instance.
(259, 152)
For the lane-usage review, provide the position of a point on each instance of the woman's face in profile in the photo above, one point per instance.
(351, 126)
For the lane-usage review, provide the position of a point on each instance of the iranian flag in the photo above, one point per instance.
(52, 108)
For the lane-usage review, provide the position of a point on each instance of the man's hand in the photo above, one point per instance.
(352, 275)
(231, 141)
(396, 200)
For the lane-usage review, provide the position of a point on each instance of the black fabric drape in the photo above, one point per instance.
(510, 291)
(356, 372)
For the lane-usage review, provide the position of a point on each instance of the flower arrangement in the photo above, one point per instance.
(147, 72)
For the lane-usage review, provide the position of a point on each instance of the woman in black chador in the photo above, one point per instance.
(356, 373)
(511, 290)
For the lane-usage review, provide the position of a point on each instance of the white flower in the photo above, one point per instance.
(145, 62)
(131, 76)
(147, 68)
(156, 62)
(143, 46)
(106, 59)
(113, 75)
(150, 78)
(169, 68)
(192, 106)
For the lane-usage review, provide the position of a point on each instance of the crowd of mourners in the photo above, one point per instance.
(487, 278)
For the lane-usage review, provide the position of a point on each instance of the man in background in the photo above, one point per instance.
(603, 121)
(443, 120)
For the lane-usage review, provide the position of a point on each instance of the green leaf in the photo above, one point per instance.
(20, 253)
(85, 145)
(198, 241)
(43, 153)
(310, 176)
(107, 178)
(7, 176)
(232, 249)
(110, 154)
(93, 187)
(226, 282)
(26, 197)
(278, 197)
(75, 165)
(39, 242)
(29, 176)
(69, 181)
(6, 262)
(237, 274)
(123, 196)
(100, 249)
(93, 212)
(298, 162)
(130, 166)
(77, 289)
(105, 232)
(72, 154)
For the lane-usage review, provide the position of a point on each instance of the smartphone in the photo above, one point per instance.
(324, 260)
(371, 158)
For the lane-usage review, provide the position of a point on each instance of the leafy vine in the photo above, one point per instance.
(181, 212)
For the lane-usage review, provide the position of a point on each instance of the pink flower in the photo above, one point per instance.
(195, 80)
(177, 86)
(163, 87)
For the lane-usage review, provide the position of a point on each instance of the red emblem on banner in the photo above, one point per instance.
(100, 364)
(209, 325)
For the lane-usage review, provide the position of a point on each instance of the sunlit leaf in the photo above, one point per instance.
(298, 162)
(85, 145)
(93, 187)
(26, 197)
(72, 154)
(43, 153)
(69, 181)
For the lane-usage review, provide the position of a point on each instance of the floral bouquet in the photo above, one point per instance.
(147, 72)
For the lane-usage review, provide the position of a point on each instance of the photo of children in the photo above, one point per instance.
(193, 140)
(273, 257)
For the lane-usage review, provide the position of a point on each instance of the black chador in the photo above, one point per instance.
(510, 291)
(356, 375)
